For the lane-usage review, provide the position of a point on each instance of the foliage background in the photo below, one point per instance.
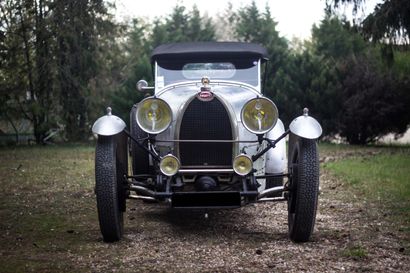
(63, 62)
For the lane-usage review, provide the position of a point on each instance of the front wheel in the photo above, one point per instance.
(303, 187)
(111, 163)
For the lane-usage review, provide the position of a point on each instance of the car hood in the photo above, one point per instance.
(234, 96)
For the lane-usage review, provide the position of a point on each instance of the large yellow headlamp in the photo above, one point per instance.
(259, 115)
(153, 115)
(242, 165)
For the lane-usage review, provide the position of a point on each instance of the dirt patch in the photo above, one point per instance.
(254, 239)
(55, 230)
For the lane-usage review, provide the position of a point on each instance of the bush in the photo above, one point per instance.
(373, 103)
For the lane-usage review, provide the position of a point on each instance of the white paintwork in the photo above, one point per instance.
(232, 95)
(276, 158)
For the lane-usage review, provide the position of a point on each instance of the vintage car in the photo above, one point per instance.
(206, 137)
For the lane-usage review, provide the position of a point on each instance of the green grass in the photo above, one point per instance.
(47, 204)
(47, 208)
(327, 148)
(355, 252)
(382, 175)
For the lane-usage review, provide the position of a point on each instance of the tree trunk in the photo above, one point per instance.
(14, 127)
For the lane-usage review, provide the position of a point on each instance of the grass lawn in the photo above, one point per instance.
(47, 208)
(379, 174)
(48, 212)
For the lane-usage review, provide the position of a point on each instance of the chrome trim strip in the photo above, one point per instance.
(208, 140)
(271, 199)
(202, 167)
(134, 196)
(156, 77)
(206, 171)
(259, 87)
(197, 83)
(234, 124)
(178, 122)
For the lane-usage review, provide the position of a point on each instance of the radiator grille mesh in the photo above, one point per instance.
(205, 120)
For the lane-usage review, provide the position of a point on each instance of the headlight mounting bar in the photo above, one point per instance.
(137, 141)
(271, 144)
(208, 140)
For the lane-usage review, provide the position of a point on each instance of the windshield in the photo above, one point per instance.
(243, 70)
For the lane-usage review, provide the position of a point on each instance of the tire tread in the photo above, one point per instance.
(110, 215)
(301, 228)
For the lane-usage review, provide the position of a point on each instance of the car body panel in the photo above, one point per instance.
(268, 151)
(207, 138)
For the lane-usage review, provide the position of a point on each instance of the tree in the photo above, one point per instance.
(389, 20)
(254, 26)
(63, 62)
(337, 39)
(373, 104)
(142, 38)
(50, 50)
(77, 26)
(224, 24)
(363, 97)
(199, 27)
(26, 68)
(180, 26)
(136, 66)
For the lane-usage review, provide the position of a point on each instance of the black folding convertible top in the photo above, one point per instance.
(208, 50)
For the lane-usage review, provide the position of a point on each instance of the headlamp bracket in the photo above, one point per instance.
(271, 144)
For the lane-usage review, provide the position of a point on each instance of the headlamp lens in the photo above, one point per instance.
(242, 164)
(154, 115)
(259, 115)
(169, 165)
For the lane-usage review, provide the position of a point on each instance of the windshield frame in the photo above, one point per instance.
(159, 83)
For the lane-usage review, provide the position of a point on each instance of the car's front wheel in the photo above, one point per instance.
(111, 164)
(303, 187)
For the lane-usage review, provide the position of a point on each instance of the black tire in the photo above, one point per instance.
(111, 164)
(272, 182)
(140, 157)
(304, 187)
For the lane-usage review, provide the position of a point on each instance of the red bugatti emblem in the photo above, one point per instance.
(205, 96)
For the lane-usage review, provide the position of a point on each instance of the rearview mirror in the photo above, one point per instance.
(142, 85)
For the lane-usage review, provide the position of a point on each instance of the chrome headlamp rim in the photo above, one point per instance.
(237, 158)
(161, 167)
(276, 114)
(137, 113)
